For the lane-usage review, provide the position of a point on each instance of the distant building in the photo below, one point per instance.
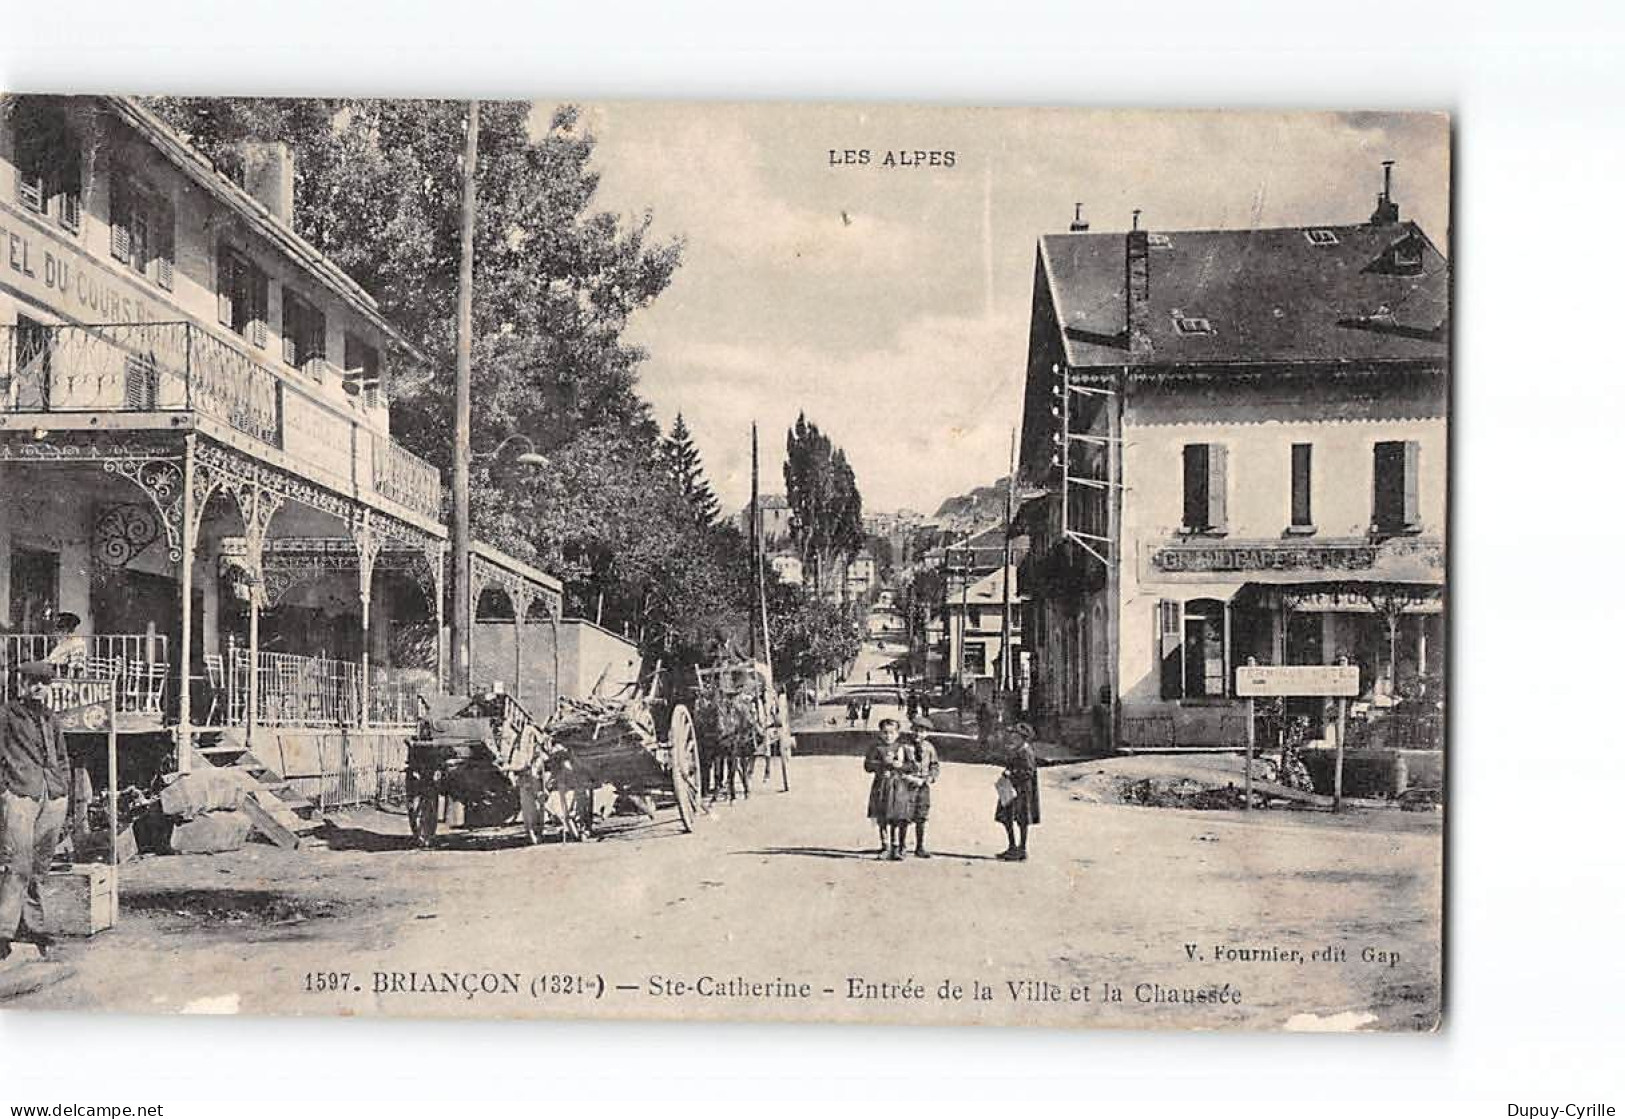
(787, 566)
(776, 517)
(861, 576)
(973, 619)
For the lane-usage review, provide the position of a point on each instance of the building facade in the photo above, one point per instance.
(1243, 443)
(195, 451)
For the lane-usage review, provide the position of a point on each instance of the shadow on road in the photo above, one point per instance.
(871, 853)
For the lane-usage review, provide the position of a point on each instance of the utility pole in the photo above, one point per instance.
(1007, 672)
(462, 605)
(755, 532)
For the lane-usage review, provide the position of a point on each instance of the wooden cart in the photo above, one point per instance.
(613, 742)
(454, 757)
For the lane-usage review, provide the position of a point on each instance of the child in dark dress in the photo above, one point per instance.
(1021, 811)
(886, 760)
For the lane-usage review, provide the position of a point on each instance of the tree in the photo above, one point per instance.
(688, 472)
(810, 635)
(823, 495)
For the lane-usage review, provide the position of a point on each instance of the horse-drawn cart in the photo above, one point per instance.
(597, 742)
(488, 755)
(744, 718)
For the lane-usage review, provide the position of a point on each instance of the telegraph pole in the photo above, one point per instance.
(1007, 673)
(462, 605)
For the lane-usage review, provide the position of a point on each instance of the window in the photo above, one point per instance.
(1204, 487)
(304, 334)
(1320, 236)
(361, 373)
(243, 296)
(975, 658)
(47, 156)
(142, 230)
(1158, 241)
(1187, 324)
(1394, 475)
(1302, 508)
(1191, 646)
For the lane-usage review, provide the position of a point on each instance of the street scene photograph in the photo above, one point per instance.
(724, 562)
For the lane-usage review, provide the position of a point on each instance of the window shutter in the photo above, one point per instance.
(1216, 487)
(290, 328)
(163, 244)
(1171, 647)
(224, 275)
(315, 334)
(119, 222)
(259, 327)
(69, 208)
(1195, 464)
(1413, 462)
(31, 190)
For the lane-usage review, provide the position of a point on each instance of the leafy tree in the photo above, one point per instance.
(823, 495)
(810, 635)
(688, 472)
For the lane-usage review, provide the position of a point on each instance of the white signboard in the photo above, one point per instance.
(1298, 679)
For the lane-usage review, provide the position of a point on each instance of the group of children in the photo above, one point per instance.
(906, 766)
(904, 770)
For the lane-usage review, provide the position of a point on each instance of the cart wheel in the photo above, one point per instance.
(787, 742)
(685, 767)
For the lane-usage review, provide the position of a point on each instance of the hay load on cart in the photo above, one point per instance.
(612, 741)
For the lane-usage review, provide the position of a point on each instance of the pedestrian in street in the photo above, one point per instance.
(885, 760)
(864, 712)
(923, 769)
(852, 714)
(34, 776)
(1018, 792)
(913, 707)
(925, 704)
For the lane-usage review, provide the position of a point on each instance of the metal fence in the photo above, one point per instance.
(137, 663)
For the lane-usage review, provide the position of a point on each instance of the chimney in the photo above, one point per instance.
(1387, 211)
(1137, 291)
(268, 176)
(1078, 224)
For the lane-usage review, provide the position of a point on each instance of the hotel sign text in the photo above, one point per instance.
(1264, 557)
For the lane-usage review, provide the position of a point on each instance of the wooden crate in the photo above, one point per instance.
(80, 900)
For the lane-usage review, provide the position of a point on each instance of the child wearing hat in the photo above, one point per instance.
(1020, 810)
(921, 771)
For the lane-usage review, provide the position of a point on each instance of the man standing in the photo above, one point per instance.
(34, 776)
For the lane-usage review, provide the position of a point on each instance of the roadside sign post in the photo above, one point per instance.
(1339, 680)
(1247, 805)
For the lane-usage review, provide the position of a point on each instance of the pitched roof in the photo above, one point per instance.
(1298, 294)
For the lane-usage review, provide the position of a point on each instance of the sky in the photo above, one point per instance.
(891, 303)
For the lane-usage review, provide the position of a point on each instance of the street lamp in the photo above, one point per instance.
(532, 457)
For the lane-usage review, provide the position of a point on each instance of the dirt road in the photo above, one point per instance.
(776, 909)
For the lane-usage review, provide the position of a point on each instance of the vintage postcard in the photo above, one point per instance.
(815, 563)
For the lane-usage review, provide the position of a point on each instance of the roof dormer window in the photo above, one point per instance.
(1158, 241)
(1320, 236)
(1191, 324)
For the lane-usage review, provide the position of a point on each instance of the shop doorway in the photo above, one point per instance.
(34, 589)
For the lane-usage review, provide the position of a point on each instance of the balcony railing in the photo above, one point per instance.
(300, 691)
(138, 664)
(181, 367)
